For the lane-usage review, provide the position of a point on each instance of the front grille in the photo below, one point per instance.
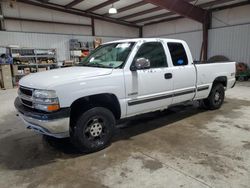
(25, 96)
(27, 103)
(26, 91)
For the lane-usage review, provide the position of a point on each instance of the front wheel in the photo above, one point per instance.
(93, 129)
(215, 98)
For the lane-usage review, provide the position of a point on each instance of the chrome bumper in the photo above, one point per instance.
(58, 128)
(54, 124)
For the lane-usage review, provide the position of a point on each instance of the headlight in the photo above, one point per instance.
(45, 100)
(44, 94)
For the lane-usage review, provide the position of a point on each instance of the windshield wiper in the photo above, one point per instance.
(95, 65)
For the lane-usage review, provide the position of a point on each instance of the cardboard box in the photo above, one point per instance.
(15, 69)
(6, 76)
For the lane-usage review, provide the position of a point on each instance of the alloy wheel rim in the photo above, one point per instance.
(217, 97)
(95, 129)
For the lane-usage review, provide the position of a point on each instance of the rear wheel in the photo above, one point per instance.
(93, 129)
(215, 98)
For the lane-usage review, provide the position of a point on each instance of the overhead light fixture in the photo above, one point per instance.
(112, 10)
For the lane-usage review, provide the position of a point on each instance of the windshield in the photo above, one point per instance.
(112, 55)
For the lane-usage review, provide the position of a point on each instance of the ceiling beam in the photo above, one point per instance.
(106, 3)
(182, 8)
(73, 3)
(123, 9)
(43, 1)
(77, 12)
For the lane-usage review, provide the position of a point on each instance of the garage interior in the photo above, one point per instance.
(183, 146)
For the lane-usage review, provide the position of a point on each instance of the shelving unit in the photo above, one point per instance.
(79, 50)
(30, 60)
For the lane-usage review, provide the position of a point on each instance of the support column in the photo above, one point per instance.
(141, 32)
(205, 27)
(93, 26)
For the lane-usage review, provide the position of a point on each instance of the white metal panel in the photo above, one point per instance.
(184, 25)
(73, 29)
(86, 4)
(157, 19)
(27, 26)
(103, 28)
(21, 10)
(237, 15)
(171, 27)
(232, 42)
(8, 11)
(69, 18)
(12, 25)
(33, 12)
(159, 29)
(37, 27)
(148, 15)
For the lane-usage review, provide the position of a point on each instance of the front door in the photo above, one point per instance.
(149, 89)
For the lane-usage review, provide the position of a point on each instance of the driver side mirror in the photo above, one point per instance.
(140, 63)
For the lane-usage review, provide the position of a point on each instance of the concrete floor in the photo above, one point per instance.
(182, 147)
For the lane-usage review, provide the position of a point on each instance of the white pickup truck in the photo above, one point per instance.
(119, 79)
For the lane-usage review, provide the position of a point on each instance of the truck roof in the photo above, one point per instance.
(145, 39)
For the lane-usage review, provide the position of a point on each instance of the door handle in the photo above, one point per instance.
(168, 75)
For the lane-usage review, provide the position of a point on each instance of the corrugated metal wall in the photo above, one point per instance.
(36, 40)
(232, 42)
(193, 39)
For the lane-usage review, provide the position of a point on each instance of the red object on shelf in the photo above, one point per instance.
(85, 53)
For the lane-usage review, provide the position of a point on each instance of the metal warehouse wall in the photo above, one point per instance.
(25, 11)
(37, 40)
(50, 35)
(229, 36)
(233, 42)
(184, 29)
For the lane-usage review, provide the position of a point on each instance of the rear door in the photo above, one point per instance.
(184, 74)
(149, 89)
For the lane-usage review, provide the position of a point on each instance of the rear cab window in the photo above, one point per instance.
(178, 54)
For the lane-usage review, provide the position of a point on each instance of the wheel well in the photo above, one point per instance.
(222, 80)
(105, 100)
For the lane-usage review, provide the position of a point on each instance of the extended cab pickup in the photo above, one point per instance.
(119, 79)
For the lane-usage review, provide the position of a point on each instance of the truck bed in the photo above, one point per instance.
(207, 72)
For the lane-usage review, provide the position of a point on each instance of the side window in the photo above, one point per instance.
(178, 54)
(154, 52)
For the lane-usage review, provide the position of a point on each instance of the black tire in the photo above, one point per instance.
(215, 98)
(93, 130)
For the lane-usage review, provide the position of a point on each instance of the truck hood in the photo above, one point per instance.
(48, 79)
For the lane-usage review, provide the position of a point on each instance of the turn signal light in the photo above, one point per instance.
(53, 107)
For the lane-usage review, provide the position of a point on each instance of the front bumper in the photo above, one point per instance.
(54, 124)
